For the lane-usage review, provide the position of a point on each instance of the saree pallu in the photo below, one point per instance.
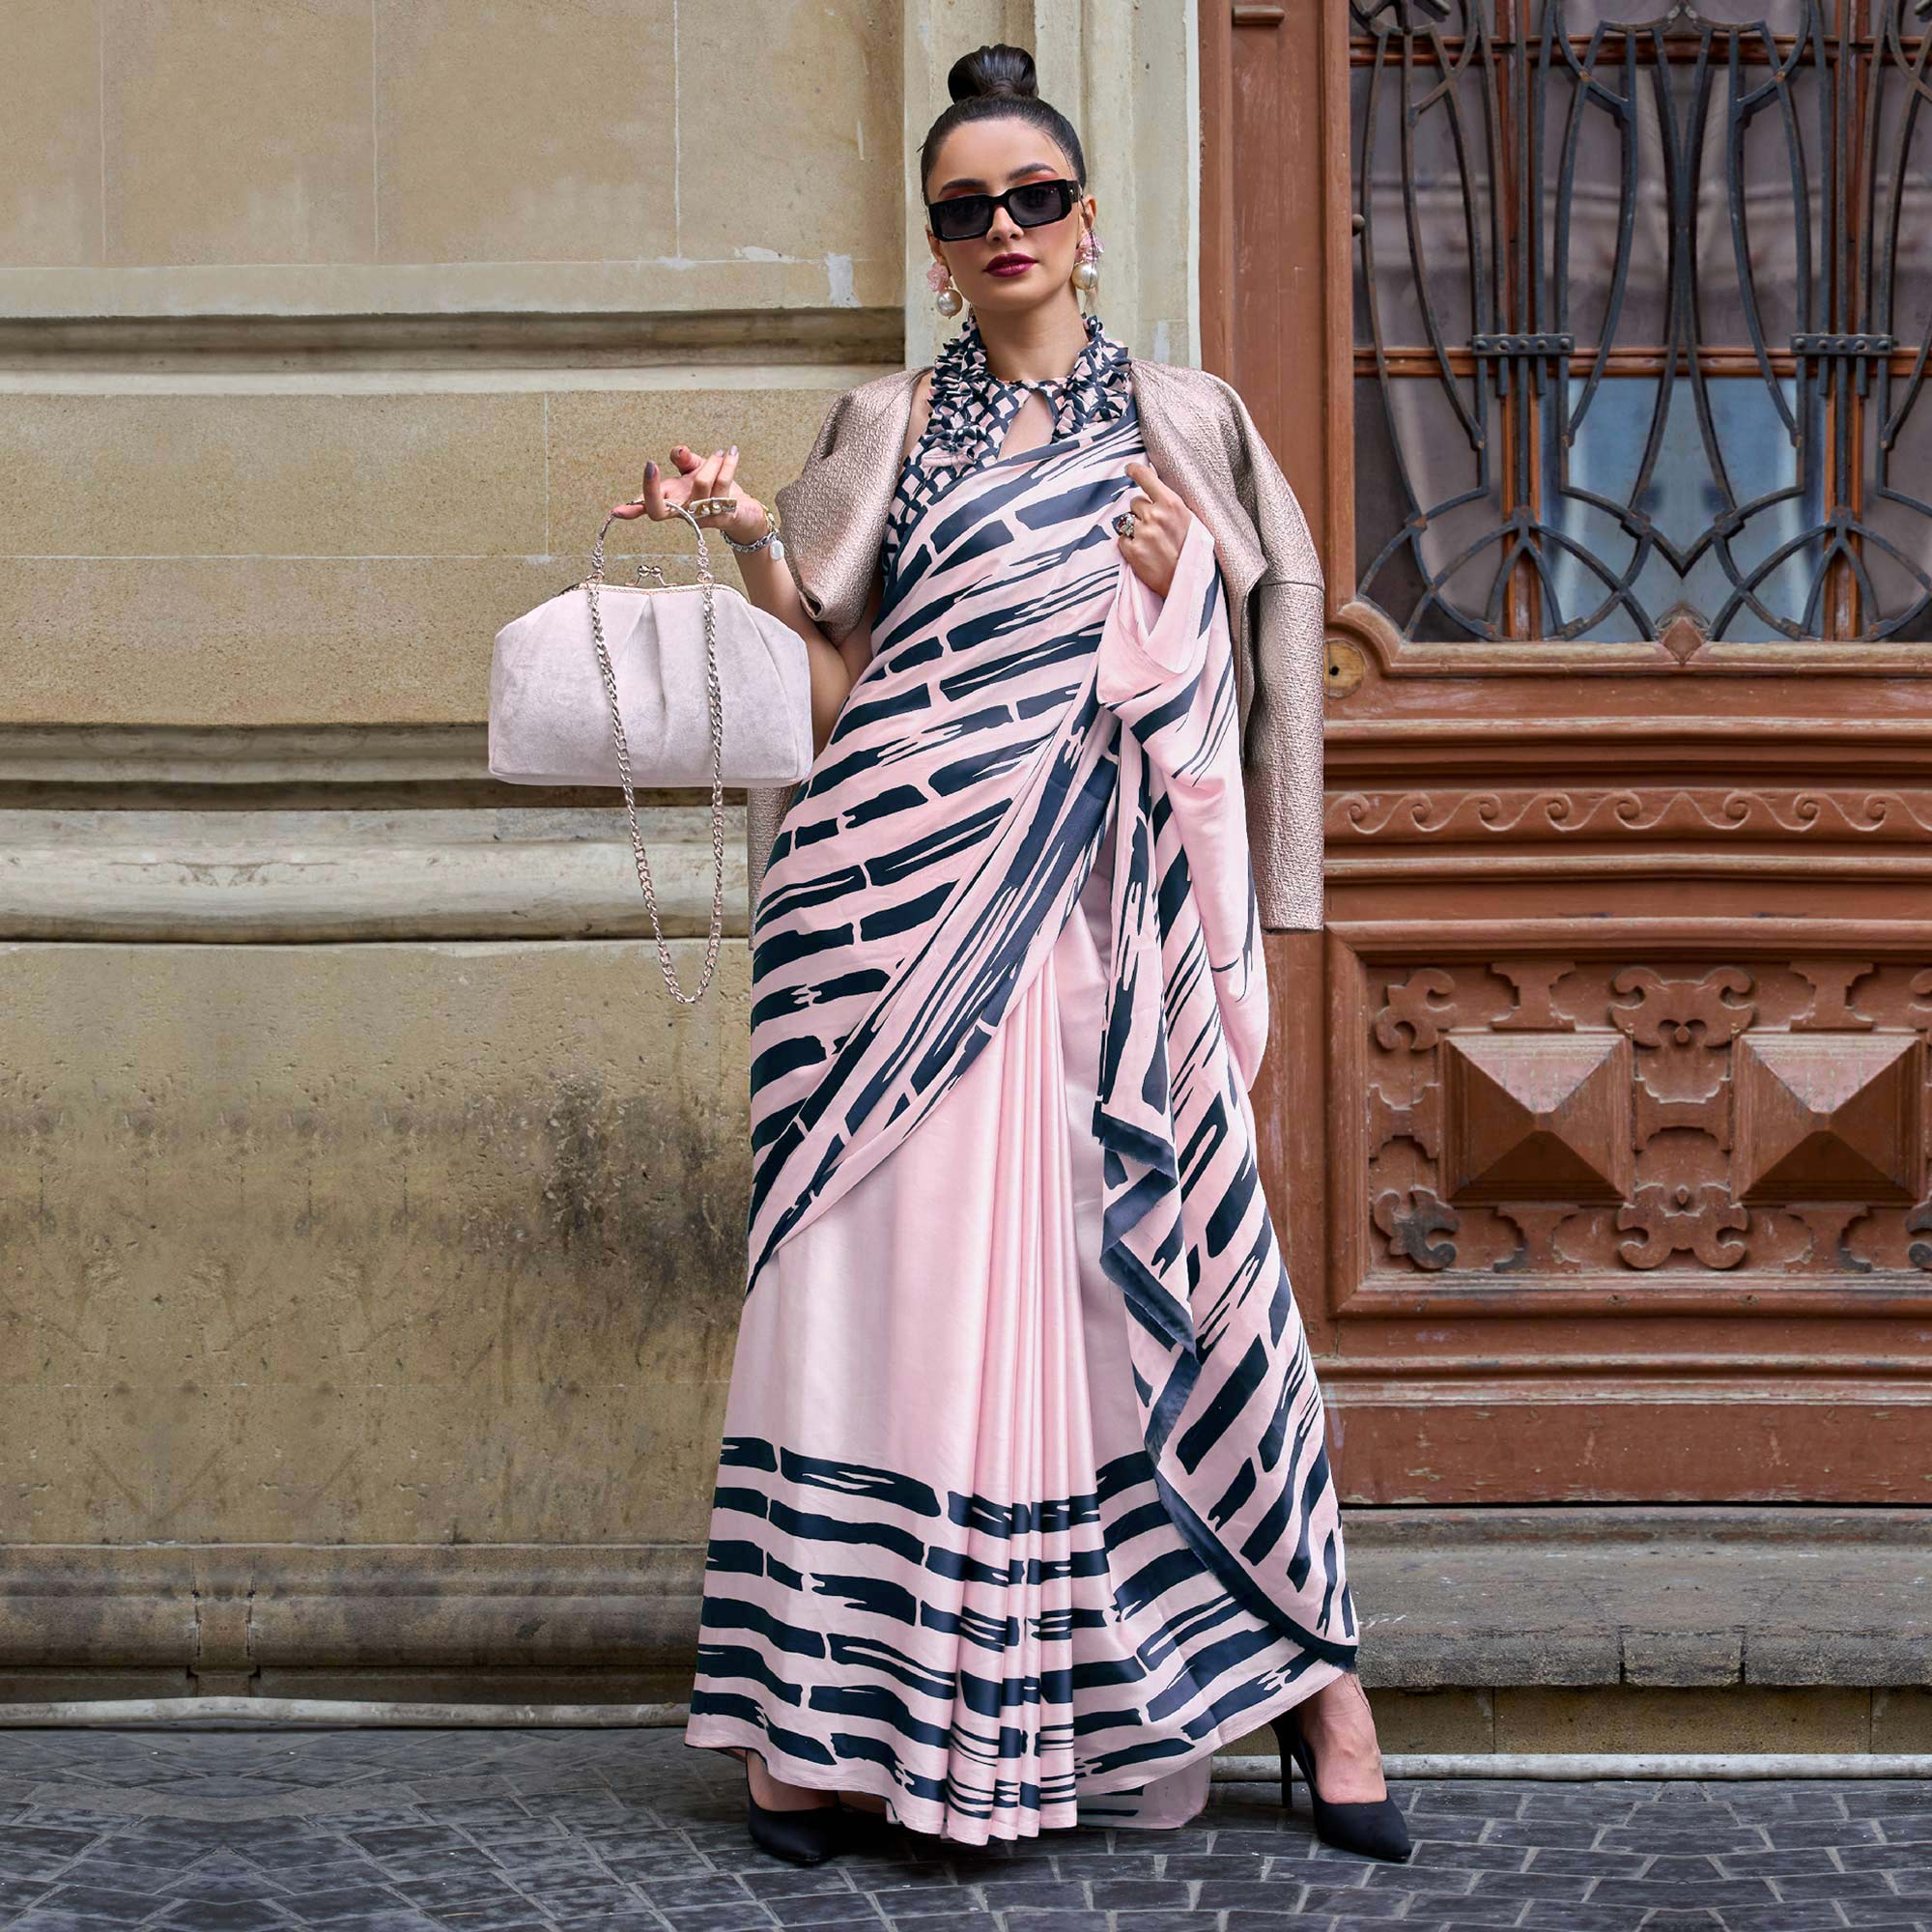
(1024, 1504)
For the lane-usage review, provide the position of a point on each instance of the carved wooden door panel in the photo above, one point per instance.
(1597, 348)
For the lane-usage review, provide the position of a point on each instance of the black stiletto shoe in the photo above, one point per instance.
(806, 1838)
(1374, 1827)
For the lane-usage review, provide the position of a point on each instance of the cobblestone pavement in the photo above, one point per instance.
(526, 1831)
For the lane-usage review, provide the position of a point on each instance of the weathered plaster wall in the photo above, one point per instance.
(371, 1219)
(410, 1242)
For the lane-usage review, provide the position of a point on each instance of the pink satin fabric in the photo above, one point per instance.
(962, 1275)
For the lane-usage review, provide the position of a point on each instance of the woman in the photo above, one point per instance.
(1024, 1505)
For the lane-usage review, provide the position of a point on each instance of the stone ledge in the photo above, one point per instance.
(1684, 1597)
(459, 339)
(516, 871)
(1462, 1607)
(35, 759)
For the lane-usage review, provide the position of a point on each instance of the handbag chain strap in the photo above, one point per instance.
(592, 585)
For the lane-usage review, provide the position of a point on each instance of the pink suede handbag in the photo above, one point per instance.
(737, 712)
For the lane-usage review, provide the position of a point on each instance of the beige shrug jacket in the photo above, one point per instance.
(1205, 446)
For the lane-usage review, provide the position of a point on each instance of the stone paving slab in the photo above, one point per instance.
(601, 1830)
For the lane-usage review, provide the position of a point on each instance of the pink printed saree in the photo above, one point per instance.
(1024, 1503)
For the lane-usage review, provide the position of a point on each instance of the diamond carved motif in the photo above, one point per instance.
(1829, 1117)
(1530, 1116)
(1571, 1123)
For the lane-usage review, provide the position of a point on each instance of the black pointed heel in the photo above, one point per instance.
(806, 1838)
(1372, 1827)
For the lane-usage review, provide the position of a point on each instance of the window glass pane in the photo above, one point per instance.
(1659, 137)
(1901, 211)
(1672, 505)
(1583, 17)
(1446, 189)
(1898, 511)
(1413, 458)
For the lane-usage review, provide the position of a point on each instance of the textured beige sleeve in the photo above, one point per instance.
(1283, 751)
(793, 500)
(1282, 767)
(765, 804)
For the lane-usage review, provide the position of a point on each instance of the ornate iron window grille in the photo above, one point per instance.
(1810, 516)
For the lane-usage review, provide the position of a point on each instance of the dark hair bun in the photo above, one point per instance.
(999, 83)
(996, 69)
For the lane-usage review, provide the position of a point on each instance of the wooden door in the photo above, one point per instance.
(1598, 353)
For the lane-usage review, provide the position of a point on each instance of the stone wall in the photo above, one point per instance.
(371, 1219)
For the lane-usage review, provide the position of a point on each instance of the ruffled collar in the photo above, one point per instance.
(971, 407)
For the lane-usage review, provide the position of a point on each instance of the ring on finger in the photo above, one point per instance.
(713, 506)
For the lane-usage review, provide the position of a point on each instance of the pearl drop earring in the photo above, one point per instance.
(1087, 266)
(947, 300)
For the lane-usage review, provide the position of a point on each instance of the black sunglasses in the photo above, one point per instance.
(1032, 205)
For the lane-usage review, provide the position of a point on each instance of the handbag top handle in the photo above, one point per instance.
(704, 575)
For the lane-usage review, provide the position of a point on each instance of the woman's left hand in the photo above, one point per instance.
(1160, 529)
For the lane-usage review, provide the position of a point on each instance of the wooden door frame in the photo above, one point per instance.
(1278, 279)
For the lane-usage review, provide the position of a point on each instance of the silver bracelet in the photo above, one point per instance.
(770, 538)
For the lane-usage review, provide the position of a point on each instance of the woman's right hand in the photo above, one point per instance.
(701, 477)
